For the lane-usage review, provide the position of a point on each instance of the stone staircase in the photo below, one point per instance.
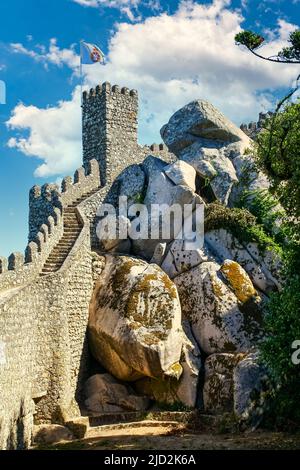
(72, 229)
(97, 425)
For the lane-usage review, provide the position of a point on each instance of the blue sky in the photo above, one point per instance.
(171, 51)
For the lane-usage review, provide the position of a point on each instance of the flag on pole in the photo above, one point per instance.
(91, 54)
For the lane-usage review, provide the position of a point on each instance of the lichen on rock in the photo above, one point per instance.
(135, 320)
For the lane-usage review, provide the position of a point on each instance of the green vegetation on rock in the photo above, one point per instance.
(241, 223)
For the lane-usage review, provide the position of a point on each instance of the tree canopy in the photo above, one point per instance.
(288, 55)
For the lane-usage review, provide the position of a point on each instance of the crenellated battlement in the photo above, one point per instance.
(83, 181)
(158, 148)
(19, 269)
(110, 130)
(253, 128)
(45, 201)
(107, 88)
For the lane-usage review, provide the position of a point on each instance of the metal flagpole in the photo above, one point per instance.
(81, 75)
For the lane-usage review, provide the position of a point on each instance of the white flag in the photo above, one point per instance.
(91, 54)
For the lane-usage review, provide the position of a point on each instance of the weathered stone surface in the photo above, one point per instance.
(179, 260)
(250, 381)
(249, 177)
(184, 388)
(105, 394)
(132, 183)
(162, 191)
(213, 164)
(181, 173)
(135, 320)
(199, 119)
(217, 322)
(191, 363)
(218, 384)
(236, 383)
(225, 246)
(152, 164)
(201, 158)
(51, 433)
(159, 253)
(239, 280)
(112, 232)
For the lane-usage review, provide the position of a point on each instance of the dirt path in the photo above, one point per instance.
(166, 438)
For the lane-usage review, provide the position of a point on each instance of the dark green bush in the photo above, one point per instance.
(241, 223)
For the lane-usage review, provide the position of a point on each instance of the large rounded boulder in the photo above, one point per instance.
(135, 320)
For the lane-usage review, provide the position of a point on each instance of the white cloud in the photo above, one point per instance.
(52, 55)
(127, 7)
(54, 135)
(171, 60)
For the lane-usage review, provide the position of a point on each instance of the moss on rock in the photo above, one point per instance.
(241, 223)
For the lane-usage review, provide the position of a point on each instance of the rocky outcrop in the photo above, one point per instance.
(203, 137)
(262, 267)
(215, 312)
(51, 433)
(181, 173)
(135, 328)
(105, 394)
(218, 385)
(170, 390)
(236, 383)
(168, 185)
(251, 381)
(199, 120)
(135, 320)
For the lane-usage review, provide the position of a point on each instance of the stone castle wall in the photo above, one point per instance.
(43, 319)
(110, 131)
(44, 356)
(253, 128)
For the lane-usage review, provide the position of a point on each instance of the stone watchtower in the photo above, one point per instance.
(109, 129)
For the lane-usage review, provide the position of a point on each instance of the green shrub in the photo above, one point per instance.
(241, 223)
(282, 326)
(266, 209)
(278, 155)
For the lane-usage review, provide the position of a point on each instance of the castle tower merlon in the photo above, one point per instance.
(109, 128)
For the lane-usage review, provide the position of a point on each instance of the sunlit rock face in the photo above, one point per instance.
(135, 320)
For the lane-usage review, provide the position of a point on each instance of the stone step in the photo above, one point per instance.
(121, 417)
(61, 249)
(88, 426)
(67, 231)
(57, 255)
(105, 429)
(49, 270)
(66, 244)
(72, 229)
(55, 261)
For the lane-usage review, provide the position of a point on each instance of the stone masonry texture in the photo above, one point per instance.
(44, 356)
